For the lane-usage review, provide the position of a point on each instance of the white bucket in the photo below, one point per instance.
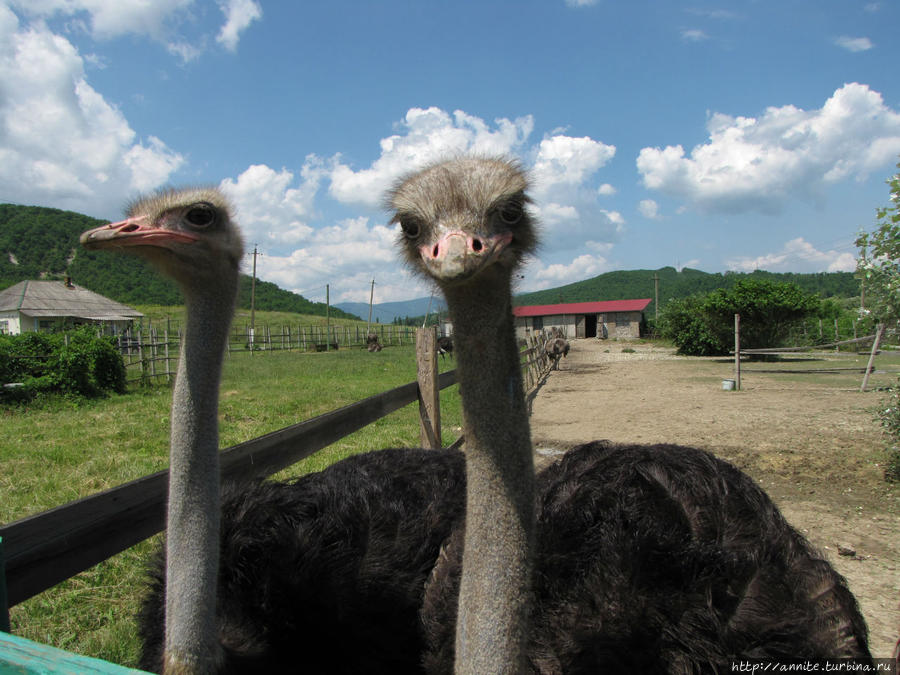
(728, 385)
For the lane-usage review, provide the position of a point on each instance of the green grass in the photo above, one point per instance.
(61, 450)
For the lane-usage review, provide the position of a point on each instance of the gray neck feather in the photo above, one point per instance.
(192, 542)
(492, 624)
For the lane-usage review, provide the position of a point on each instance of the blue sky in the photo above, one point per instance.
(718, 136)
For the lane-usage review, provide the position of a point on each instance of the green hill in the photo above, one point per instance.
(634, 284)
(42, 243)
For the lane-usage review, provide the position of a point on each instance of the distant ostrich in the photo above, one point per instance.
(445, 346)
(623, 558)
(372, 343)
(331, 566)
(556, 348)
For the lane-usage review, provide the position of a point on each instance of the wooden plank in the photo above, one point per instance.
(18, 655)
(429, 394)
(4, 604)
(44, 549)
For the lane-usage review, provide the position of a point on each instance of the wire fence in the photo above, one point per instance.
(153, 353)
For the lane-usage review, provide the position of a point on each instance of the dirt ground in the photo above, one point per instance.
(810, 442)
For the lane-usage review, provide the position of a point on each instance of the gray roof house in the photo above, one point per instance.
(42, 305)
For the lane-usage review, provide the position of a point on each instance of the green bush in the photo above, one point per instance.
(889, 416)
(684, 323)
(704, 325)
(87, 366)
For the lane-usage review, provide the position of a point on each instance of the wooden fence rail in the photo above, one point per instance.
(47, 548)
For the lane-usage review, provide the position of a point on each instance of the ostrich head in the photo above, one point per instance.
(460, 217)
(189, 234)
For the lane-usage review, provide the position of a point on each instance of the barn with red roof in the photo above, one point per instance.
(602, 319)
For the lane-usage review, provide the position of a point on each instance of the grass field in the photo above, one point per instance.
(63, 450)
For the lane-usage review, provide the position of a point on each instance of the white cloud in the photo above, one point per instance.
(160, 20)
(713, 13)
(538, 276)
(615, 218)
(567, 200)
(648, 208)
(64, 144)
(693, 35)
(427, 135)
(581, 3)
(852, 44)
(272, 211)
(565, 162)
(276, 208)
(239, 14)
(797, 254)
(112, 18)
(760, 163)
(347, 256)
(606, 190)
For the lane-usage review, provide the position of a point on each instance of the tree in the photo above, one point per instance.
(704, 325)
(768, 310)
(878, 265)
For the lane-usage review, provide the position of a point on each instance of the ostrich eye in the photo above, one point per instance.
(411, 228)
(201, 215)
(511, 213)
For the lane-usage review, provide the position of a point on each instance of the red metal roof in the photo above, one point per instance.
(600, 307)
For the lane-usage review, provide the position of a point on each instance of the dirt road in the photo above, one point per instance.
(810, 442)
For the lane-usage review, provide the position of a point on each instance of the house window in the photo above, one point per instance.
(4, 327)
(622, 320)
(538, 323)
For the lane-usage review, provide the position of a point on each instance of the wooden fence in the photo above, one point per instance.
(44, 549)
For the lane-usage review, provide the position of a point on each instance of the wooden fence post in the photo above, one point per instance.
(141, 357)
(737, 352)
(168, 363)
(4, 601)
(429, 393)
(878, 334)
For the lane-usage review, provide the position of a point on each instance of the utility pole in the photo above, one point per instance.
(371, 298)
(327, 318)
(253, 301)
(656, 291)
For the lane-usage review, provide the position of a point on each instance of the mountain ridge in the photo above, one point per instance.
(42, 243)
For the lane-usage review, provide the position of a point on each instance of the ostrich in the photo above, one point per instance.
(556, 348)
(372, 343)
(190, 237)
(328, 561)
(627, 558)
(445, 346)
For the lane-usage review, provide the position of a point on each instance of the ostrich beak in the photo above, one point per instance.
(458, 255)
(133, 232)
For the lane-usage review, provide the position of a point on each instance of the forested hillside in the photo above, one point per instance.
(42, 243)
(634, 284)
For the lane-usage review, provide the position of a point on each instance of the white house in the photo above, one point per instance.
(44, 305)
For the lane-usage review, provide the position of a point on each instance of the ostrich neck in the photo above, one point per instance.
(192, 542)
(495, 586)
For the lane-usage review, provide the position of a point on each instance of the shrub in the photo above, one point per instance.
(889, 416)
(684, 323)
(87, 366)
